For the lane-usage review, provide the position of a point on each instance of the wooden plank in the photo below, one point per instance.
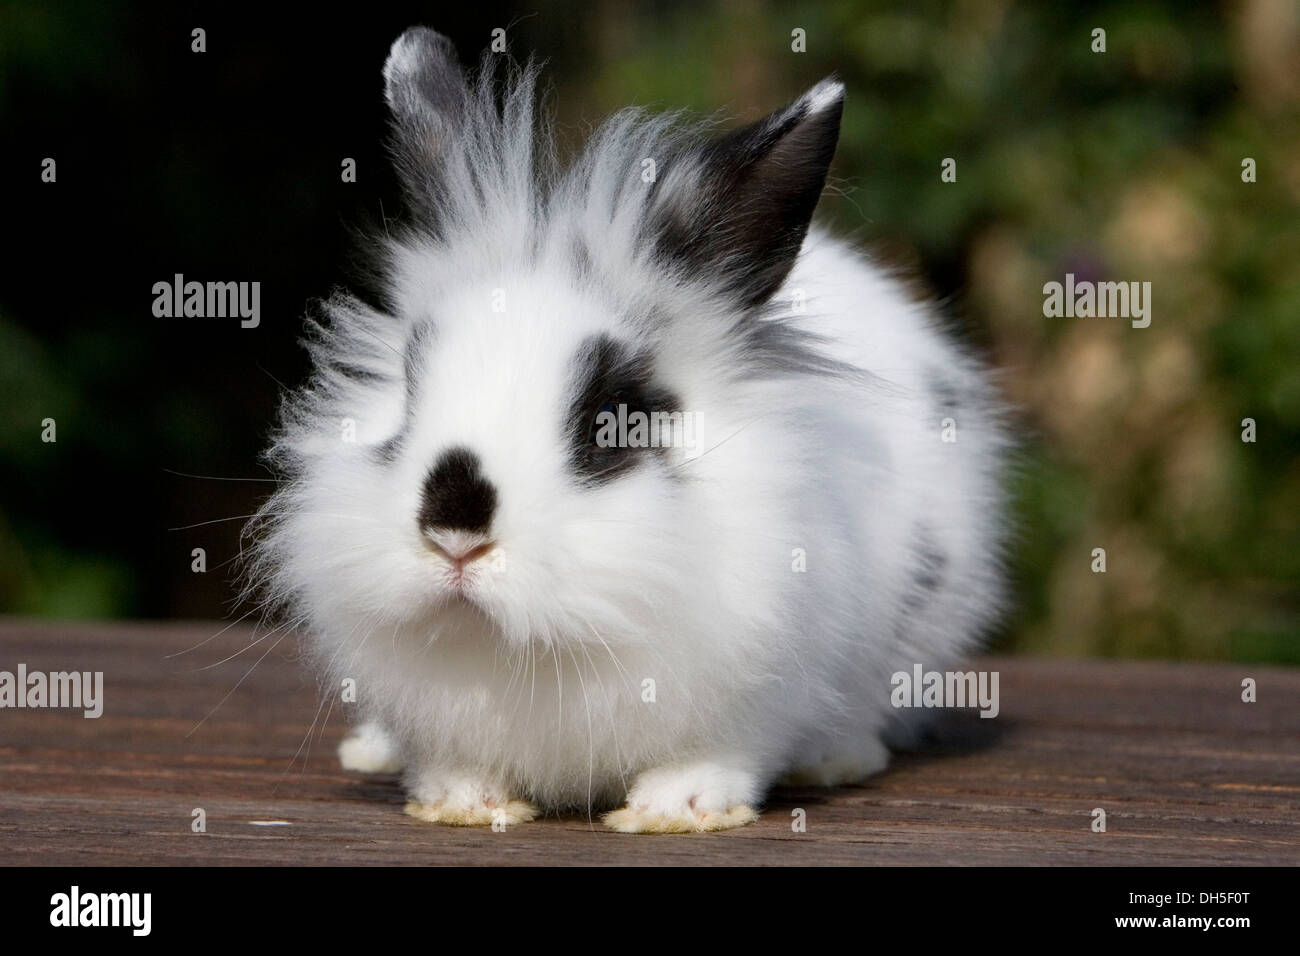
(1187, 772)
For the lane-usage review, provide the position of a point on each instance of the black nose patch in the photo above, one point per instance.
(456, 495)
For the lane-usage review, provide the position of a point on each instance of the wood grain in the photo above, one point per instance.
(1187, 772)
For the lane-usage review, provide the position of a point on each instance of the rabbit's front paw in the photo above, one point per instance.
(694, 798)
(462, 801)
(369, 749)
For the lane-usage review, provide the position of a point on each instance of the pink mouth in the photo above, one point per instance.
(459, 553)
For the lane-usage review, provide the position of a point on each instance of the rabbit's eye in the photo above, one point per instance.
(613, 401)
(605, 435)
(604, 425)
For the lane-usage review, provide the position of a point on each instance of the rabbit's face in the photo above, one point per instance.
(507, 487)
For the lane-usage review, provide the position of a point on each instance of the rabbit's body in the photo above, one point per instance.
(534, 619)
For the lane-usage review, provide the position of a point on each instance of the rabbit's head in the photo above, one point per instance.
(537, 431)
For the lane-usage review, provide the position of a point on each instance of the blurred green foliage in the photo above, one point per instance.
(1122, 165)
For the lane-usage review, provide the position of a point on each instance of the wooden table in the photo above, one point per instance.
(1186, 772)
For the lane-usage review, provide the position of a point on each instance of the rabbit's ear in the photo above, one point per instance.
(425, 88)
(740, 206)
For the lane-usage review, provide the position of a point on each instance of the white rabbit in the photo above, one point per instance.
(536, 620)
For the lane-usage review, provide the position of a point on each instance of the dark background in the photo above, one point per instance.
(225, 165)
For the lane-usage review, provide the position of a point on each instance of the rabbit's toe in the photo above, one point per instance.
(464, 801)
(509, 813)
(696, 798)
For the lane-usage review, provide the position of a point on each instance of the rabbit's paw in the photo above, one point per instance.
(369, 749)
(695, 798)
(461, 801)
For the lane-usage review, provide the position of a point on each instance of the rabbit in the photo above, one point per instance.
(541, 609)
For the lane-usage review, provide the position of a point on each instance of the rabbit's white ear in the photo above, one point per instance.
(425, 88)
(740, 206)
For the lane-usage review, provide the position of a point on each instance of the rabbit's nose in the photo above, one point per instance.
(459, 548)
(456, 495)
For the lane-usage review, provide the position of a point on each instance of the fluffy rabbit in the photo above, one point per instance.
(542, 609)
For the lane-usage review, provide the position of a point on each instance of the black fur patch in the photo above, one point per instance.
(748, 211)
(609, 374)
(456, 495)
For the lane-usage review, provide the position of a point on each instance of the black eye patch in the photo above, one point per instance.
(611, 381)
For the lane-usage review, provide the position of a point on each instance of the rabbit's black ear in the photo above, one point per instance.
(425, 88)
(740, 206)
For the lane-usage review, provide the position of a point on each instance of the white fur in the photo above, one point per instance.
(824, 95)
(534, 689)
(369, 749)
